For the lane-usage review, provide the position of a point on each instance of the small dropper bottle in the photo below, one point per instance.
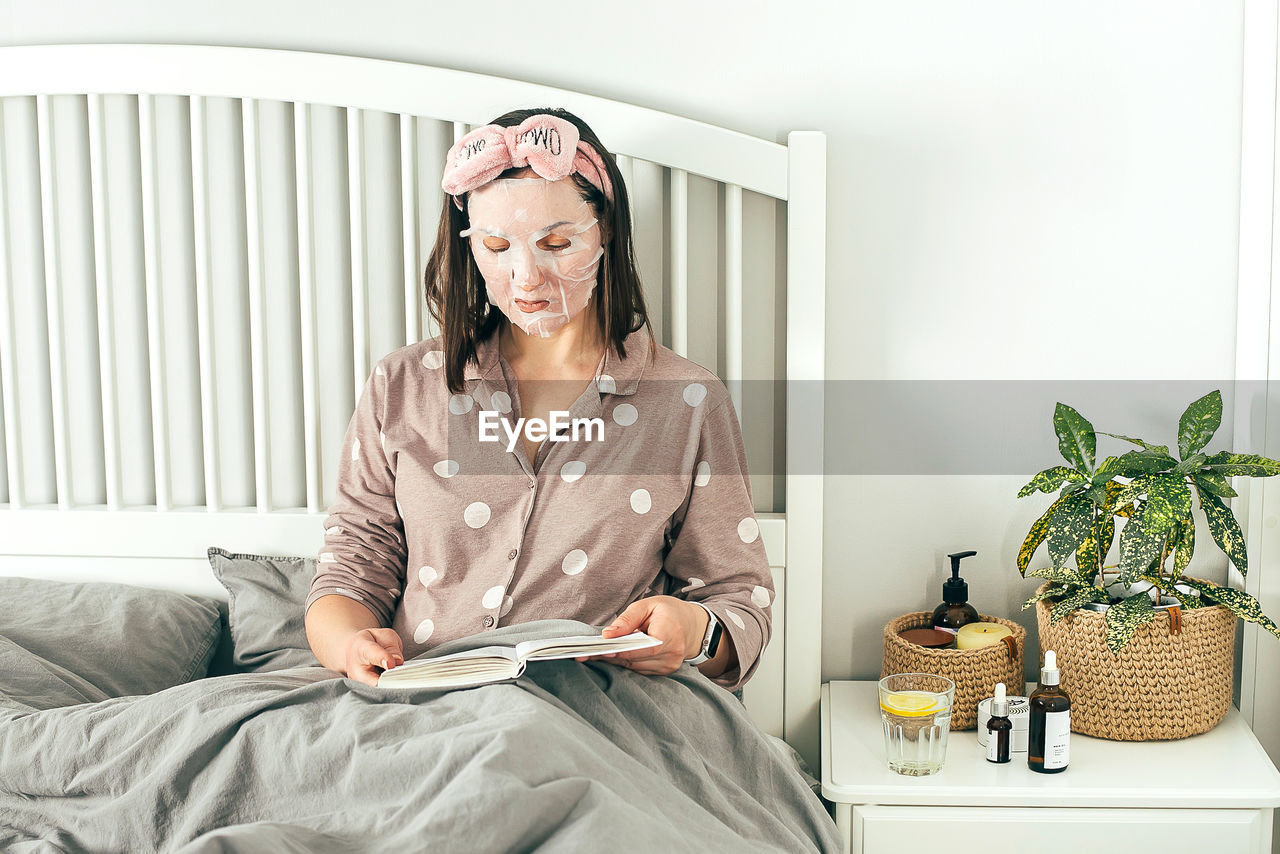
(1049, 730)
(999, 727)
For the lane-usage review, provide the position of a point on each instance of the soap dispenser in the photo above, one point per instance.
(955, 610)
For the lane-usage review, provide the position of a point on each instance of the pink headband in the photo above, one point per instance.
(547, 144)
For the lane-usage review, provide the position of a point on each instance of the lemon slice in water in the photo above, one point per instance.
(911, 703)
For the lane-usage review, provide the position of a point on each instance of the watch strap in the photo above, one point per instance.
(706, 651)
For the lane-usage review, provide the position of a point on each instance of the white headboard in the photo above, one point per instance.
(203, 250)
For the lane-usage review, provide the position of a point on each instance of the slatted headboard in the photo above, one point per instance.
(203, 249)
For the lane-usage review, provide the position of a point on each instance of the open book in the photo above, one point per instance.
(496, 663)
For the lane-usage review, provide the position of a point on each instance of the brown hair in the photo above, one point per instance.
(455, 289)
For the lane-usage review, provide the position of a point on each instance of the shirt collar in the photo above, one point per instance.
(626, 372)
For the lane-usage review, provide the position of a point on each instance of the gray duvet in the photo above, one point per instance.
(570, 757)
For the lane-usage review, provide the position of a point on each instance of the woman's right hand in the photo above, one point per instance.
(371, 651)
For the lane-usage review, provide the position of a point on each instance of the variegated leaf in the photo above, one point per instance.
(1186, 600)
(1133, 490)
(1059, 574)
(1225, 529)
(1213, 483)
(1087, 554)
(1068, 527)
(1168, 502)
(1228, 464)
(1049, 591)
(1106, 469)
(1074, 600)
(1191, 464)
(1076, 438)
(1109, 506)
(1126, 617)
(1162, 449)
(1138, 548)
(1036, 536)
(1240, 603)
(1049, 480)
(1184, 545)
(1136, 463)
(1199, 422)
(1108, 537)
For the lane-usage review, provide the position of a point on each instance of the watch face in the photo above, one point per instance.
(714, 645)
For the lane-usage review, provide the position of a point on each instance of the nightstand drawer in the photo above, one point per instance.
(1055, 831)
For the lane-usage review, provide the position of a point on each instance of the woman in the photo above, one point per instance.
(453, 515)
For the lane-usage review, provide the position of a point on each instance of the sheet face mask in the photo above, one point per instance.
(537, 244)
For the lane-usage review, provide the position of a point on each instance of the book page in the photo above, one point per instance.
(479, 654)
(471, 667)
(571, 647)
(494, 672)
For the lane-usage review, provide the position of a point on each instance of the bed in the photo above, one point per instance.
(203, 250)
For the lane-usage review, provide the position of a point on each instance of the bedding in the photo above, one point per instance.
(264, 608)
(85, 641)
(572, 756)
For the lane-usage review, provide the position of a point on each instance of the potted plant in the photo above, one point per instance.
(1146, 651)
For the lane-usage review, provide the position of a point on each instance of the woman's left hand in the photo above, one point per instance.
(678, 623)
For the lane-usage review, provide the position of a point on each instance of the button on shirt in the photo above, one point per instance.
(441, 535)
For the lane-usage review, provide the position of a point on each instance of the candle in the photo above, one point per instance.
(974, 635)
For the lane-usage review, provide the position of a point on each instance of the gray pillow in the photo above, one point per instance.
(75, 642)
(265, 598)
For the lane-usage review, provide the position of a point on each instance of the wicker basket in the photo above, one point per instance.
(975, 671)
(1164, 684)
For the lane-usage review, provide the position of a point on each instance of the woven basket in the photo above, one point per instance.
(975, 671)
(1164, 684)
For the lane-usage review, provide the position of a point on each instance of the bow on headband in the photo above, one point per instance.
(547, 144)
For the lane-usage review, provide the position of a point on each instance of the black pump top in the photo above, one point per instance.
(954, 589)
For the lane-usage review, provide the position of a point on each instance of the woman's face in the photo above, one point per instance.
(537, 244)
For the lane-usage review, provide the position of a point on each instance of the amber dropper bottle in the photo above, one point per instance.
(1049, 730)
(999, 727)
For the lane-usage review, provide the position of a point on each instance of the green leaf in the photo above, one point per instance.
(1076, 438)
(1059, 574)
(1191, 464)
(1125, 618)
(1162, 449)
(1110, 505)
(1213, 483)
(1077, 598)
(1087, 554)
(1225, 529)
(1240, 603)
(1108, 537)
(1068, 527)
(1133, 490)
(1228, 464)
(1106, 470)
(1136, 463)
(1036, 536)
(1049, 480)
(1184, 545)
(1138, 548)
(1198, 424)
(1168, 502)
(1048, 592)
(1187, 600)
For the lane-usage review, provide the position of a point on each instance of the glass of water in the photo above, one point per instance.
(915, 709)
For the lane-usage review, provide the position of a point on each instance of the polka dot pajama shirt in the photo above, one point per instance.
(441, 535)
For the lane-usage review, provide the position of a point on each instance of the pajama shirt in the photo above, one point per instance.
(642, 492)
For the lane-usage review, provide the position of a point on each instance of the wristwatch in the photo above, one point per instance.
(710, 641)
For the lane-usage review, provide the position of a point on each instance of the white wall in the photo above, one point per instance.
(1016, 192)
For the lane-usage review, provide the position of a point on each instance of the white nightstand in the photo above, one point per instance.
(1210, 793)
